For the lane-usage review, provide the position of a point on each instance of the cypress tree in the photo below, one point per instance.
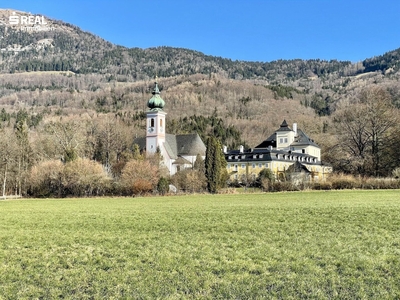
(210, 165)
(215, 165)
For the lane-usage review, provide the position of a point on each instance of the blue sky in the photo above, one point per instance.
(252, 30)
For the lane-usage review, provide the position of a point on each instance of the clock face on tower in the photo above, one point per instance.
(150, 130)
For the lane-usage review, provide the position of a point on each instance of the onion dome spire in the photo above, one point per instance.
(156, 103)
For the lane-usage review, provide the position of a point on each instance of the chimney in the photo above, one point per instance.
(241, 149)
(295, 129)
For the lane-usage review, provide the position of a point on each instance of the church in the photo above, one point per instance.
(179, 151)
(287, 153)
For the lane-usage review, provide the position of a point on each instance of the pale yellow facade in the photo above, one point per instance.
(286, 147)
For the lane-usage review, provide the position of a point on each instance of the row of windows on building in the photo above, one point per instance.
(253, 166)
(298, 158)
(243, 166)
(278, 156)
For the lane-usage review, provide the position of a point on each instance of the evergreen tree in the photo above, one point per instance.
(215, 165)
(162, 185)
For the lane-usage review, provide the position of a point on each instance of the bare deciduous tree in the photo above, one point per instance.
(8, 157)
(68, 137)
(365, 130)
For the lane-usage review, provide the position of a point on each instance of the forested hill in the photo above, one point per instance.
(68, 48)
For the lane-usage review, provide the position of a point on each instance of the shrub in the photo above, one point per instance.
(265, 179)
(190, 181)
(45, 179)
(139, 177)
(266, 185)
(341, 182)
(283, 186)
(321, 186)
(381, 183)
(142, 186)
(84, 177)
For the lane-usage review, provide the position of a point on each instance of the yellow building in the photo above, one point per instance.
(286, 152)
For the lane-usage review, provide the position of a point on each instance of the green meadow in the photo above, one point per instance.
(301, 245)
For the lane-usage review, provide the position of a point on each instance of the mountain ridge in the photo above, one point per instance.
(79, 51)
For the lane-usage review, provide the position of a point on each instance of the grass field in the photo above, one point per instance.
(314, 245)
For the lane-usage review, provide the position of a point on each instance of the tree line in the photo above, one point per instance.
(72, 156)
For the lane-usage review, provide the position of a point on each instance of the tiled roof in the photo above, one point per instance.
(271, 141)
(177, 145)
(190, 144)
(303, 139)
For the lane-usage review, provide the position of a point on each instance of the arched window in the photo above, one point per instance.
(152, 123)
(160, 122)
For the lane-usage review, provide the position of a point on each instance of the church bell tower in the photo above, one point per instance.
(155, 122)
